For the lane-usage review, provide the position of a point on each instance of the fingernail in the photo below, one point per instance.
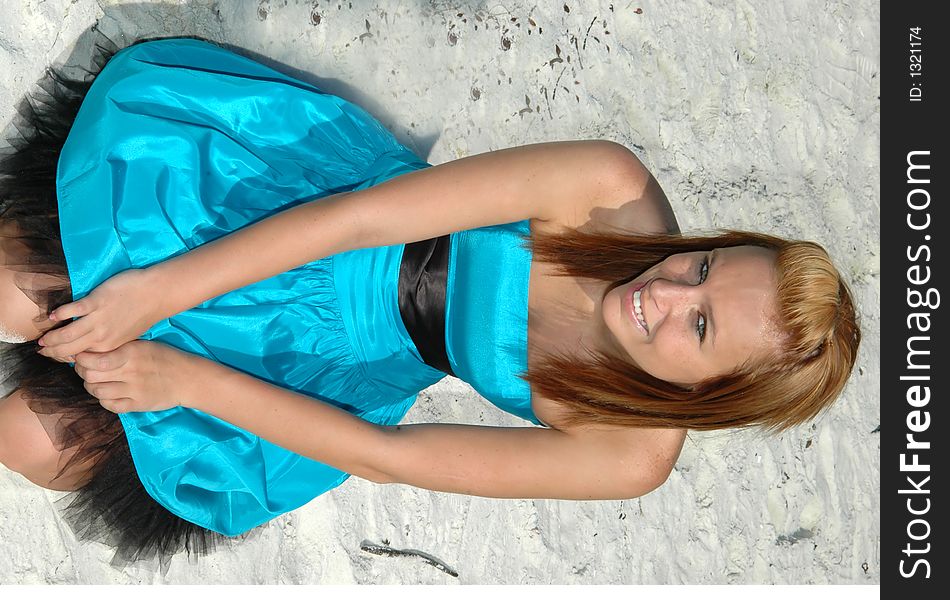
(52, 317)
(40, 342)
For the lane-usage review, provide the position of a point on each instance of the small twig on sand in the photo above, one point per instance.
(383, 550)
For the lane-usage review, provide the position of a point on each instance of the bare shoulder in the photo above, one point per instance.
(630, 199)
(653, 449)
(643, 455)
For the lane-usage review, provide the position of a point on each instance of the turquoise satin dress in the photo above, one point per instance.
(180, 142)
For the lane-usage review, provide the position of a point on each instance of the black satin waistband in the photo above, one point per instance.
(423, 274)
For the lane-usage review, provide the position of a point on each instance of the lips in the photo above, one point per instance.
(630, 305)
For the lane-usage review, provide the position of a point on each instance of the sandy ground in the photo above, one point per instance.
(758, 115)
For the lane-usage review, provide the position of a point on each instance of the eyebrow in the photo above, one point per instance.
(710, 322)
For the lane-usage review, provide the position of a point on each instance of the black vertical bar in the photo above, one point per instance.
(915, 373)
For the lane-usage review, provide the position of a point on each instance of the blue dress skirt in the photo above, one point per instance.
(179, 142)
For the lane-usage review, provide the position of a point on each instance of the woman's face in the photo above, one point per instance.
(697, 315)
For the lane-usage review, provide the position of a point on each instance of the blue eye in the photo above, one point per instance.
(700, 319)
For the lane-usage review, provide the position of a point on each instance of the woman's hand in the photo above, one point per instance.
(138, 377)
(118, 311)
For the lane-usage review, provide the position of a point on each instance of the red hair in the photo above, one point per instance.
(816, 319)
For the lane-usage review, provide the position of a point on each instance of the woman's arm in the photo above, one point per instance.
(542, 181)
(498, 462)
(538, 181)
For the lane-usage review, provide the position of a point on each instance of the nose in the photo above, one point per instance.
(670, 297)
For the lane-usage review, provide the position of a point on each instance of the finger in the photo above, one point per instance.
(64, 335)
(118, 406)
(68, 352)
(102, 361)
(80, 308)
(110, 390)
(63, 359)
(91, 376)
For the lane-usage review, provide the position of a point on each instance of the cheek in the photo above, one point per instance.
(673, 360)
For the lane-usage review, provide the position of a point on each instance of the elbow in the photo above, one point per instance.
(380, 463)
(376, 476)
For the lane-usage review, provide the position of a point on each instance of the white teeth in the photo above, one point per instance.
(637, 310)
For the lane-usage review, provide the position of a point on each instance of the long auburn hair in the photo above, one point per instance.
(816, 316)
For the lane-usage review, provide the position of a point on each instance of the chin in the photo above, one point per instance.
(611, 310)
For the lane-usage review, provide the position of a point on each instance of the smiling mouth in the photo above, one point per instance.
(638, 311)
(632, 304)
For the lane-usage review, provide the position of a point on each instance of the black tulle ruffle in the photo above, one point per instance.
(113, 507)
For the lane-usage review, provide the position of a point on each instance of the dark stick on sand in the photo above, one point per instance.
(384, 550)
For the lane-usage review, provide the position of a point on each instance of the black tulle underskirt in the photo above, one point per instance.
(113, 507)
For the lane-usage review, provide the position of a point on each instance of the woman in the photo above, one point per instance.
(633, 339)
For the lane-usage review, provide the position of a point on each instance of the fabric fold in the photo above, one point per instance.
(178, 143)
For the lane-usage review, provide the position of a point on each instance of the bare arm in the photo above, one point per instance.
(498, 462)
(542, 181)
(538, 181)
(524, 462)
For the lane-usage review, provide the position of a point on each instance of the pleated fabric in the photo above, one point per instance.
(179, 142)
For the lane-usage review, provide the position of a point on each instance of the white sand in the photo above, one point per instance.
(758, 115)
